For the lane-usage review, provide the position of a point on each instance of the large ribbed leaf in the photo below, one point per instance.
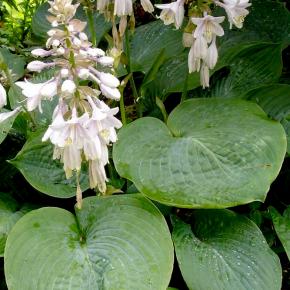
(213, 153)
(40, 25)
(251, 68)
(15, 63)
(10, 213)
(282, 227)
(149, 40)
(225, 251)
(46, 175)
(113, 243)
(275, 101)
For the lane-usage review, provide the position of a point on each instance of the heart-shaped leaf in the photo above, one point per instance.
(226, 251)
(46, 175)
(275, 101)
(149, 40)
(282, 228)
(10, 213)
(213, 153)
(113, 243)
(15, 63)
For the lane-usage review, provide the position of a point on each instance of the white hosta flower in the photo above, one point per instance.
(208, 26)
(123, 7)
(201, 56)
(38, 66)
(108, 80)
(35, 93)
(41, 52)
(68, 87)
(172, 13)
(6, 115)
(97, 175)
(95, 52)
(204, 76)
(3, 97)
(102, 5)
(236, 11)
(212, 55)
(110, 93)
(147, 6)
(83, 73)
(106, 61)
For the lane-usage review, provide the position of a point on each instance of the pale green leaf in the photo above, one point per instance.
(113, 243)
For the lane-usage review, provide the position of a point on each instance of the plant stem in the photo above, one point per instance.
(122, 108)
(132, 82)
(184, 92)
(92, 26)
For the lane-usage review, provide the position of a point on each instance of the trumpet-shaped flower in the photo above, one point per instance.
(172, 13)
(208, 26)
(3, 97)
(35, 93)
(6, 115)
(147, 5)
(236, 11)
(123, 7)
(203, 54)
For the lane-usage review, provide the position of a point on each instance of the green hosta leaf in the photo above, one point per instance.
(40, 25)
(226, 251)
(172, 76)
(148, 42)
(46, 175)
(113, 243)
(213, 153)
(10, 213)
(15, 63)
(6, 125)
(275, 100)
(282, 228)
(252, 68)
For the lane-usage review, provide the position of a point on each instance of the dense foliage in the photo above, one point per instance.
(187, 187)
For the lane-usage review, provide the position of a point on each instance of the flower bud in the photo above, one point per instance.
(68, 87)
(84, 73)
(3, 97)
(106, 61)
(111, 93)
(37, 66)
(96, 52)
(40, 52)
(109, 80)
(64, 73)
(147, 6)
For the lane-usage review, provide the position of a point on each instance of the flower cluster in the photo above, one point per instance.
(83, 125)
(203, 30)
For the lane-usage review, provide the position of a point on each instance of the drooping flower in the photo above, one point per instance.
(3, 97)
(123, 7)
(172, 13)
(147, 6)
(6, 115)
(203, 54)
(236, 11)
(35, 93)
